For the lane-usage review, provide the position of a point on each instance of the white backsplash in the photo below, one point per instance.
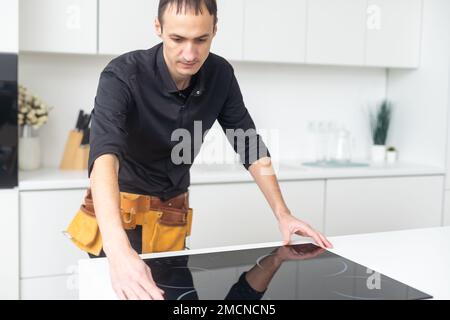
(281, 98)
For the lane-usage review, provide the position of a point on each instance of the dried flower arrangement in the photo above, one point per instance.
(32, 111)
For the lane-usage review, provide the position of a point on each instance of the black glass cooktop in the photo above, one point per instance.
(293, 272)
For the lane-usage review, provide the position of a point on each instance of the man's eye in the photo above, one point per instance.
(176, 39)
(201, 40)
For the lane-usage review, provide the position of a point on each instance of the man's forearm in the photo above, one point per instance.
(264, 175)
(106, 196)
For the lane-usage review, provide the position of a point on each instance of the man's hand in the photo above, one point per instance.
(131, 277)
(289, 225)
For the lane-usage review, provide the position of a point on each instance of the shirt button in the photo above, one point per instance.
(198, 92)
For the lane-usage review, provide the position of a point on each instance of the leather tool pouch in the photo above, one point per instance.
(166, 230)
(165, 225)
(83, 229)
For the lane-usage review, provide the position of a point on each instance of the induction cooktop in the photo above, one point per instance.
(295, 272)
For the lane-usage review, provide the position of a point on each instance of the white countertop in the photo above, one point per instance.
(419, 258)
(53, 178)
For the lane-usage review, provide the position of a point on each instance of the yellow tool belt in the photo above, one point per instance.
(165, 224)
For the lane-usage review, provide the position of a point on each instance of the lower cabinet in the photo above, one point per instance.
(238, 213)
(447, 208)
(64, 287)
(383, 204)
(9, 239)
(48, 259)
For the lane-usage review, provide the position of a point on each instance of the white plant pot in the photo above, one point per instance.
(29, 153)
(378, 154)
(391, 157)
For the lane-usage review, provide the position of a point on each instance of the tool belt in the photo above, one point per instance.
(165, 224)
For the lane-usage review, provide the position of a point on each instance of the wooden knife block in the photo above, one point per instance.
(75, 155)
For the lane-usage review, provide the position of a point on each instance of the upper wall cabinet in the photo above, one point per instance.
(9, 26)
(335, 32)
(393, 33)
(127, 25)
(68, 26)
(230, 29)
(381, 33)
(275, 30)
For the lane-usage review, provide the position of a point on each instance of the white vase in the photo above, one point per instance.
(29, 149)
(378, 154)
(391, 157)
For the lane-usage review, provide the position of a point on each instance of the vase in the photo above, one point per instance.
(378, 154)
(391, 157)
(29, 148)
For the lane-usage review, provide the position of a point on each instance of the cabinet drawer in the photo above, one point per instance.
(44, 250)
(383, 204)
(50, 288)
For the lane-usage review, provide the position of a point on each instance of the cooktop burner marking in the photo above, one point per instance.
(262, 257)
(339, 272)
(354, 297)
(186, 293)
(178, 287)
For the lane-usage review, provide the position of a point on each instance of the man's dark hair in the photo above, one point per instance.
(185, 5)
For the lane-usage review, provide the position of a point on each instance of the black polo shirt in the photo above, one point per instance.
(138, 107)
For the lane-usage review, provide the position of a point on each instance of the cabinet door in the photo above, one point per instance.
(9, 245)
(274, 31)
(393, 33)
(67, 26)
(446, 219)
(127, 25)
(9, 26)
(44, 215)
(335, 32)
(230, 29)
(238, 213)
(383, 204)
(50, 288)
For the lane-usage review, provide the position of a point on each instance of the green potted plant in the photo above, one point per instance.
(380, 120)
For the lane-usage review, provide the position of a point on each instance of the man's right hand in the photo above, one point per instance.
(131, 277)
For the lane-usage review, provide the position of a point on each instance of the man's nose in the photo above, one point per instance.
(189, 53)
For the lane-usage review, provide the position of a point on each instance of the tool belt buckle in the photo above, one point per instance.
(129, 209)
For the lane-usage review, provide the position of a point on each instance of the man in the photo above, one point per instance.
(142, 98)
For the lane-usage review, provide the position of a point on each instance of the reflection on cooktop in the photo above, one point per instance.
(296, 272)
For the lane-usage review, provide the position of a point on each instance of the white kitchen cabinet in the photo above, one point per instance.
(67, 26)
(393, 33)
(275, 31)
(446, 220)
(383, 204)
(63, 287)
(9, 244)
(9, 26)
(335, 32)
(230, 29)
(127, 25)
(44, 215)
(238, 213)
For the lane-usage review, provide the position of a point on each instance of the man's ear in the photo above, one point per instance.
(215, 31)
(158, 27)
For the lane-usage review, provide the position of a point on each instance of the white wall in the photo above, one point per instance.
(279, 96)
(419, 127)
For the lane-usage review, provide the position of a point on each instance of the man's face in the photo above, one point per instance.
(187, 40)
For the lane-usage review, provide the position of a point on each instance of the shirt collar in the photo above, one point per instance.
(169, 84)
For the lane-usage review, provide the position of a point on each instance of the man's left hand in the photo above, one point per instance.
(290, 225)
